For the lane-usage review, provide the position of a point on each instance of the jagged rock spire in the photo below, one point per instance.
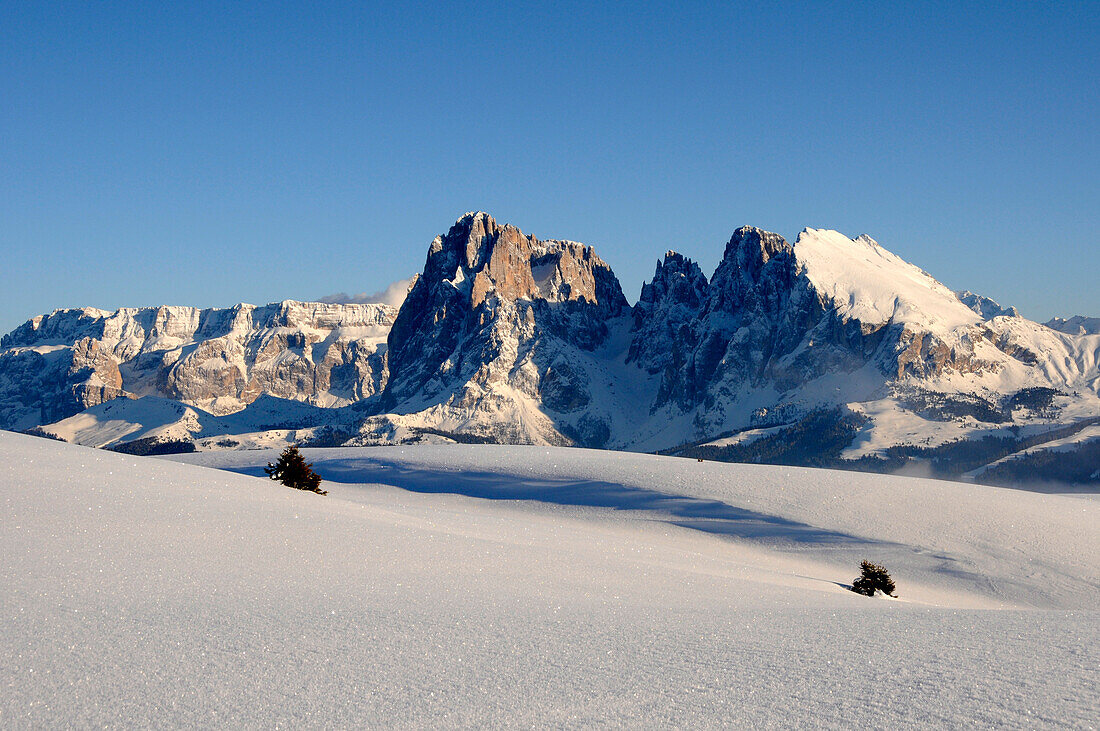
(665, 310)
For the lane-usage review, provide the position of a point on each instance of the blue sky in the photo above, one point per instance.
(206, 154)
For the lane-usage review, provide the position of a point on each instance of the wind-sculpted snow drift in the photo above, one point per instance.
(827, 351)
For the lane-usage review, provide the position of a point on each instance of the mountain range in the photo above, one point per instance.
(827, 351)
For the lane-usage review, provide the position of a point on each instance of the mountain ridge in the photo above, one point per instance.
(507, 338)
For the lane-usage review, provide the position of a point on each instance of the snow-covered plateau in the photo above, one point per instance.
(508, 586)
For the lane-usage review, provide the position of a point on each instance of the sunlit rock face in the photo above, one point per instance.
(220, 360)
(498, 325)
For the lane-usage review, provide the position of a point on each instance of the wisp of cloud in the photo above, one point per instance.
(393, 294)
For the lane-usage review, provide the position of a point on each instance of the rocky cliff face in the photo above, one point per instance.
(986, 307)
(56, 365)
(39, 386)
(498, 324)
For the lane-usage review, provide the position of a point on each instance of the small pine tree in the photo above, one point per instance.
(872, 577)
(292, 470)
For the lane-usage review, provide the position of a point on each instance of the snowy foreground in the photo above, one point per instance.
(590, 588)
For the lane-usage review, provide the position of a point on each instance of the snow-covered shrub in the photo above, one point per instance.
(292, 470)
(873, 578)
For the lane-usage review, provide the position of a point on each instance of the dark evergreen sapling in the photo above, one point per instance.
(873, 577)
(292, 470)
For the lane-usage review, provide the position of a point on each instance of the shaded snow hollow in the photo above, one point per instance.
(592, 587)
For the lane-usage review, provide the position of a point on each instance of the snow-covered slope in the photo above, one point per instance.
(266, 422)
(953, 543)
(625, 590)
(867, 283)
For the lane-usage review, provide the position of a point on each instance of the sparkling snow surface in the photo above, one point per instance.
(619, 590)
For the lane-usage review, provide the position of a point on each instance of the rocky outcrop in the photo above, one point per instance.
(1076, 325)
(496, 316)
(664, 330)
(42, 386)
(742, 320)
(985, 306)
(94, 377)
(217, 359)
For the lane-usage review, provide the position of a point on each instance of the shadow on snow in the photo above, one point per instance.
(702, 514)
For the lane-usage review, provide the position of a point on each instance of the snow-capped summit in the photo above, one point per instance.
(779, 316)
(865, 282)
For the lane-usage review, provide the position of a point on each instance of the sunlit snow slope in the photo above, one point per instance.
(620, 589)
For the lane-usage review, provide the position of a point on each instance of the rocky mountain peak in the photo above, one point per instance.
(1078, 325)
(751, 256)
(663, 319)
(750, 248)
(459, 247)
(484, 281)
(779, 315)
(481, 258)
(985, 306)
(506, 337)
(677, 278)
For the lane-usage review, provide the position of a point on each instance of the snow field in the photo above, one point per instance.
(145, 592)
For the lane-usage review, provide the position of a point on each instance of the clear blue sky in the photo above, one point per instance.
(205, 154)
